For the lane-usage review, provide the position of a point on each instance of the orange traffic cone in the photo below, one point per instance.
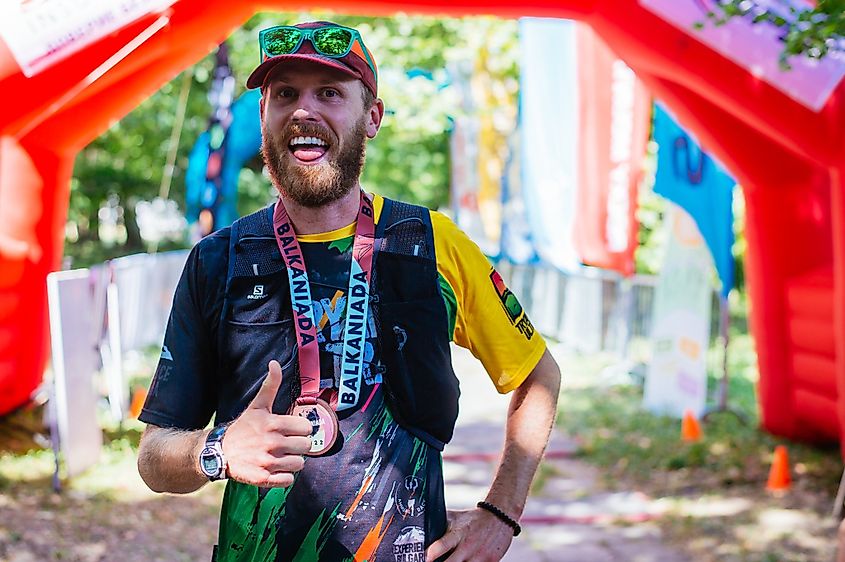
(779, 477)
(690, 428)
(139, 396)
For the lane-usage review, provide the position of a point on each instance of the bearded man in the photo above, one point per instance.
(316, 334)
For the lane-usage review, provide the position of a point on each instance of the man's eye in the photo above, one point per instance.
(331, 93)
(286, 93)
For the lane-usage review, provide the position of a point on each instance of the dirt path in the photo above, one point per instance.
(567, 518)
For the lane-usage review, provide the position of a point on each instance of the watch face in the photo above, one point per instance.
(210, 462)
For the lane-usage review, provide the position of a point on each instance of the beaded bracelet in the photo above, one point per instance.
(502, 516)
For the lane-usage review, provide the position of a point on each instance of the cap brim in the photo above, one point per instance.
(259, 75)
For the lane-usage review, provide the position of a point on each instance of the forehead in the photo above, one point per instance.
(304, 73)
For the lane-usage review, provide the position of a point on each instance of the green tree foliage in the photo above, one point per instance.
(126, 163)
(409, 158)
(815, 32)
(651, 210)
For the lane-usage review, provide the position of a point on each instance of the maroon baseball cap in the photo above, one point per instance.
(354, 63)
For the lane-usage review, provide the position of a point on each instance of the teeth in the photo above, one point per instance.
(308, 140)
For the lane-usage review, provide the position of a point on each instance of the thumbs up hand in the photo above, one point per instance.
(263, 448)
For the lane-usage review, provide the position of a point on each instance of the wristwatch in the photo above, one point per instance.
(212, 461)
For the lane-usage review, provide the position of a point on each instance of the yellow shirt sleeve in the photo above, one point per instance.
(490, 321)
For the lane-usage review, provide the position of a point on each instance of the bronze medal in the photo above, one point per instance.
(324, 426)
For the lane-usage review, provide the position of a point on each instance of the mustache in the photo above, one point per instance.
(308, 130)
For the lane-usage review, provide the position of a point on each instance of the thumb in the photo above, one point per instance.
(269, 388)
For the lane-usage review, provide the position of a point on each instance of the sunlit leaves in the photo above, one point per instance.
(812, 32)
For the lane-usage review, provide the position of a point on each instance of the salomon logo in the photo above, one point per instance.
(257, 293)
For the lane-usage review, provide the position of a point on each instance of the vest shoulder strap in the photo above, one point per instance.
(405, 229)
(252, 246)
(251, 252)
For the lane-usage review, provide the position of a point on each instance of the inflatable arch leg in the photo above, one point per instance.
(33, 208)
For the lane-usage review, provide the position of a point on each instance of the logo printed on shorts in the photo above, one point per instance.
(409, 497)
(257, 293)
(409, 546)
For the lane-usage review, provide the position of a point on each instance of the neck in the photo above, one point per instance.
(334, 215)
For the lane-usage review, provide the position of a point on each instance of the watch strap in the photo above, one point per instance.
(216, 434)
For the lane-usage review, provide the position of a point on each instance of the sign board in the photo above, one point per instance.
(73, 332)
(677, 375)
(756, 47)
(40, 33)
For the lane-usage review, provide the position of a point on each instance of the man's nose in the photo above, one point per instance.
(305, 109)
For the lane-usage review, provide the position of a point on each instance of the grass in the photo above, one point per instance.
(616, 433)
(713, 490)
(36, 466)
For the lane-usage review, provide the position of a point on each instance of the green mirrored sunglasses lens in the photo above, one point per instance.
(333, 41)
(281, 41)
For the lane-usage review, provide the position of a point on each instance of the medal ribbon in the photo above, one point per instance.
(357, 304)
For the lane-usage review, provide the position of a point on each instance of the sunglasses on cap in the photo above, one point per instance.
(333, 41)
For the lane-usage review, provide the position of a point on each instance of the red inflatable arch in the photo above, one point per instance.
(788, 158)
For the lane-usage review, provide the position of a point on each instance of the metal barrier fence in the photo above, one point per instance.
(592, 310)
(589, 311)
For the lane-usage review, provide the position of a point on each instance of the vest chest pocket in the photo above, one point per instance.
(421, 387)
(258, 328)
(259, 324)
(405, 279)
(259, 299)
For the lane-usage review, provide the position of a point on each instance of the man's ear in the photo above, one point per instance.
(375, 116)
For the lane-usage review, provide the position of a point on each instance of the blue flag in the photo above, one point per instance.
(241, 141)
(689, 177)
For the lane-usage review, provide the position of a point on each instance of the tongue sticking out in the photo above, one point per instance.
(309, 153)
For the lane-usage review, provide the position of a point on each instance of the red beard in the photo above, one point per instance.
(320, 184)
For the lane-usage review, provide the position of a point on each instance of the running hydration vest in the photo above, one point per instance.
(413, 355)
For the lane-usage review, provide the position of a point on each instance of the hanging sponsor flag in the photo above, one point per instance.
(40, 33)
(478, 150)
(614, 109)
(496, 107)
(677, 375)
(549, 136)
(756, 46)
(465, 182)
(212, 187)
(689, 177)
(516, 244)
